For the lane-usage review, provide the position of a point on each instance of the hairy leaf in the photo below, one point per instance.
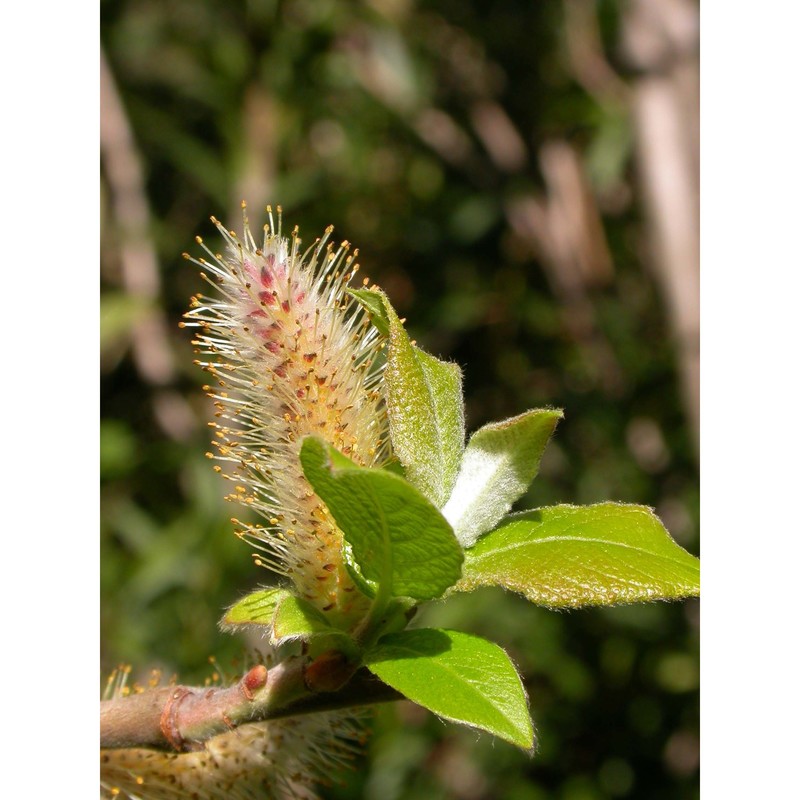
(257, 608)
(296, 618)
(424, 402)
(570, 556)
(500, 462)
(460, 677)
(373, 303)
(396, 537)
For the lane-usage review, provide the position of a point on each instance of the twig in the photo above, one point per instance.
(181, 718)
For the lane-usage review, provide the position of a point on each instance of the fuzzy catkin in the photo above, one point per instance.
(263, 761)
(293, 354)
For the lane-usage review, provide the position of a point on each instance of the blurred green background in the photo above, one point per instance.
(497, 164)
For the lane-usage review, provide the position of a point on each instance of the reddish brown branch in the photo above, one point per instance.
(181, 718)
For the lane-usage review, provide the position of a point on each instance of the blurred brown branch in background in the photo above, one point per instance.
(565, 231)
(661, 40)
(138, 259)
(255, 182)
(587, 59)
(661, 44)
(149, 338)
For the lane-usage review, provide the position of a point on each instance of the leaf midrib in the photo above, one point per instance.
(579, 539)
(388, 572)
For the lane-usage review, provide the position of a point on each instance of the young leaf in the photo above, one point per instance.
(397, 539)
(460, 677)
(424, 403)
(296, 618)
(373, 303)
(500, 462)
(257, 608)
(570, 556)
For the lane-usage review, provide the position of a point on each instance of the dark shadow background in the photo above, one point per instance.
(522, 179)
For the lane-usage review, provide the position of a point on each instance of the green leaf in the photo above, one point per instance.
(440, 398)
(459, 677)
(257, 608)
(424, 403)
(397, 616)
(394, 466)
(570, 556)
(500, 462)
(296, 618)
(397, 539)
(373, 303)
